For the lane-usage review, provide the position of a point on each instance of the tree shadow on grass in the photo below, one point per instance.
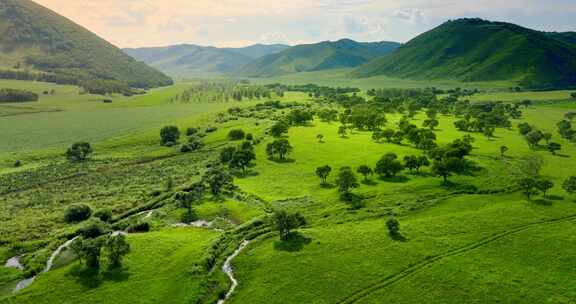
(542, 202)
(283, 161)
(87, 277)
(395, 179)
(369, 182)
(562, 155)
(398, 237)
(295, 242)
(327, 186)
(354, 200)
(118, 274)
(555, 197)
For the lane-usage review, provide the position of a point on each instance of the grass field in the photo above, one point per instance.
(157, 271)
(476, 238)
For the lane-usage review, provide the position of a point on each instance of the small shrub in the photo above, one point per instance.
(17, 163)
(186, 148)
(93, 229)
(79, 151)
(169, 134)
(191, 131)
(139, 227)
(249, 136)
(107, 100)
(77, 213)
(211, 129)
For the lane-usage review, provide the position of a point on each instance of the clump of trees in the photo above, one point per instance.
(279, 149)
(279, 129)
(14, 95)
(346, 181)
(323, 173)
(285, 223)
(89, 250)
(569, 185)
(415, 163)
(450, 159)
(240, 157)
(533, 185)
(565, 129)
(236, 134)
(79, 152)
(169, 136)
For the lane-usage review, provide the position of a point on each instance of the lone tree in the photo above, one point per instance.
(445, 167)
(285, 222)
(218, 179)
(322, 173)
(346, 180)
(116, 248)
(569, 185)
(503, 150)
(242, 159)
(543, 185)
(527, 186)
(431, 123)
(278, 129)
(169, 135)
(393, 226)
(79, 152)
(388, 165)
(280, 147)
(366, 171)
(320, 138)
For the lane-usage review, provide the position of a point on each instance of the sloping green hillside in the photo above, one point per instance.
(35, 38)
(479, 50)
(259, 50)
(314, 57)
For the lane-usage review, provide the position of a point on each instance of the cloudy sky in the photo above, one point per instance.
(136, 23)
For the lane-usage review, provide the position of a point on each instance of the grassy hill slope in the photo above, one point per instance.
(35, 38)
(479, 50)
(314, 57)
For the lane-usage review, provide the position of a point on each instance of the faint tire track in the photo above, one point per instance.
(391, 279)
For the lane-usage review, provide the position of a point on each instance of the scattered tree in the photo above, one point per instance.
(285, 222)
(322, 173)
(503, 150)
(388, 165)
(569, 185)
(342, 131)
(116, 248)
(236, 134)
(279, 128)
(365, 170)
(320, 138)
(280, 147)
(169, 135)
(393, 226)
(79, 152)
(543, 185)
(77, 213)
(346, 180)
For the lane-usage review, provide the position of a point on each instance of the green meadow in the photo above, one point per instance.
(476, 237)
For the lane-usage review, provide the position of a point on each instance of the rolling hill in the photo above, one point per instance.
(37, 42)
(326, 55)
(480, 50)
(188, 60)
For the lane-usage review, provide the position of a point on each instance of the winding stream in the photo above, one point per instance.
(227, 268)
(26, 282)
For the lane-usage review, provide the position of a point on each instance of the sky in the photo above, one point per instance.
(236, 23)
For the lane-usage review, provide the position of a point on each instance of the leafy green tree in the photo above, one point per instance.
(543, 185)
(365, 170)
(554, 147)
(524, 128)
(236, 134)
(547, 136)
(285, 222)
(280, 147)
(533, 138)
(169, 135)
(116, 248)
(446, 167)
(79, 152)
(320, 138)
(88, 251)
(242, 159)
(431, 123)
(77, 213)
(527, 186)
(488, 132)
(411, 162)
(388, 165)
(422, 162)
(227, 154)
(279, 128)
(569, 185)
(388, 134)
(323, 173)
(104, 215)
(393, 226)
(346, 180)
(217, 180)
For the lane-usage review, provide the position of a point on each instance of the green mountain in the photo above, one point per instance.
(188, 60)
(34, 38)
(567, 37)
(479, 50)
(314, 57)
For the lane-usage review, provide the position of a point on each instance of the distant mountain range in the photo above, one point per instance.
(480, 50)
(326, 55)
(187, 60)
(36, 41)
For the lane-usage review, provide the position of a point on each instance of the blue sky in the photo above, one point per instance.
(136, 23)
